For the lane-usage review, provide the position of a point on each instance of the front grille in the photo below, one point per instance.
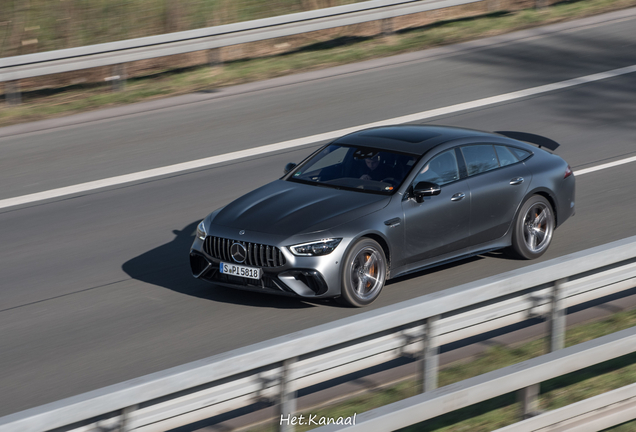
(258, 255)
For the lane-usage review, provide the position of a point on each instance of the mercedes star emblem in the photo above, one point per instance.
(238, 252)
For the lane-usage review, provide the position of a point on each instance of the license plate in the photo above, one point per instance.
(242, 271)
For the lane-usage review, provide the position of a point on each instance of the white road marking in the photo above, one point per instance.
(228, 157)
(604, 166)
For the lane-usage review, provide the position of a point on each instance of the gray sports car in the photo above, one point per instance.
(384, 202)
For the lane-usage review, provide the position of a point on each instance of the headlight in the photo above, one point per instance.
(322, 247)
(201, 233)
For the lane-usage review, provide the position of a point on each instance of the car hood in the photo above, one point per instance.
(287, 208)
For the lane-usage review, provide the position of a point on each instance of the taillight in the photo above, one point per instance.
(568, 172)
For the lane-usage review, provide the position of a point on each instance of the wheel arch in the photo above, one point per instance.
(381, 240)
(547, 194)
(519, 245)
(376, 237)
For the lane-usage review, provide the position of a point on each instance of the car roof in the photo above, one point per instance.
(413, 139)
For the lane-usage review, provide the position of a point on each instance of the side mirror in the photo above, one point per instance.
(423, 189)
(290, 166)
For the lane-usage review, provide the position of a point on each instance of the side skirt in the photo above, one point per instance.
(448, 260)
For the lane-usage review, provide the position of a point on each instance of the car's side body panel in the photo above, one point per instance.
(495, 198)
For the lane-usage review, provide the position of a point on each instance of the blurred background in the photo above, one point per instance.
(28, 26)
(36, 26)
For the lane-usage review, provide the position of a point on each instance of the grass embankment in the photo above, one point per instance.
(48, 103)
(504, 410)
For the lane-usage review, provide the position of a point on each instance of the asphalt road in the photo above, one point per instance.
(95, 289)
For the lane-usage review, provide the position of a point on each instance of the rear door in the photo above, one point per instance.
(498, 182)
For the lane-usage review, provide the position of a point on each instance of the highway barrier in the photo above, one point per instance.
(274, 370)
(118, 53)
(593, 414)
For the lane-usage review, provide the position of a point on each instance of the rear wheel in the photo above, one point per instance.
(533, 228)
(364, 273)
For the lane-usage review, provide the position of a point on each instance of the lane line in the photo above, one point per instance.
(604, 166)
(284, 145)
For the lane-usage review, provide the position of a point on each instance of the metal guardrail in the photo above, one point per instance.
(509, 379)
(593, 414)
(275, 369)
(117, 53)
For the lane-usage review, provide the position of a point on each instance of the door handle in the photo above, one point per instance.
(392, 222)
(516, 181)
(458, 196)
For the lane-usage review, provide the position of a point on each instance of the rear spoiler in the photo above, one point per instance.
(531, 138)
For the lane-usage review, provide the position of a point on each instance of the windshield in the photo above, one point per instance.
(356, 168)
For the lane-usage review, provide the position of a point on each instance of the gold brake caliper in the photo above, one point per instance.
(371, 271)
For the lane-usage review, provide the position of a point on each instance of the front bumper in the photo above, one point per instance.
(308, 277)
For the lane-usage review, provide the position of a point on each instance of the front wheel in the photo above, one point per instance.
(533, 228)
(364, 273)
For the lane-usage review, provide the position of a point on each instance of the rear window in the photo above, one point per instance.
(505, 156)
(521, 154)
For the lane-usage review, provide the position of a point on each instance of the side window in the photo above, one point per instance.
(505, 156)
(521, 154)
(480, 158)
(441, 169)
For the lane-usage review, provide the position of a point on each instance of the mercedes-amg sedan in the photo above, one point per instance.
(383, 202)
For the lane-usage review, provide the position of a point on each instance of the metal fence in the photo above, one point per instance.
(276, 369)
(118, 53)
(608, 409)
(33, 26)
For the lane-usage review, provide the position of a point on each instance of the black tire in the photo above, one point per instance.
(533, 228)
(364, 271)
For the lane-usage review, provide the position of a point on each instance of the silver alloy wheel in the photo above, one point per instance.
(538, 227)
(367, 273)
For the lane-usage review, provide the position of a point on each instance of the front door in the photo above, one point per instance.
(440, 224)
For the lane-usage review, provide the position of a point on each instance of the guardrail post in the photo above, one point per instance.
(529, 400)
(214, 57)
(387, 26)
(556, 319)
(529, 397)
(493, 5)
(287, 398)
(125, 425)
(118, 77)
(430, 355)
(12, 93)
